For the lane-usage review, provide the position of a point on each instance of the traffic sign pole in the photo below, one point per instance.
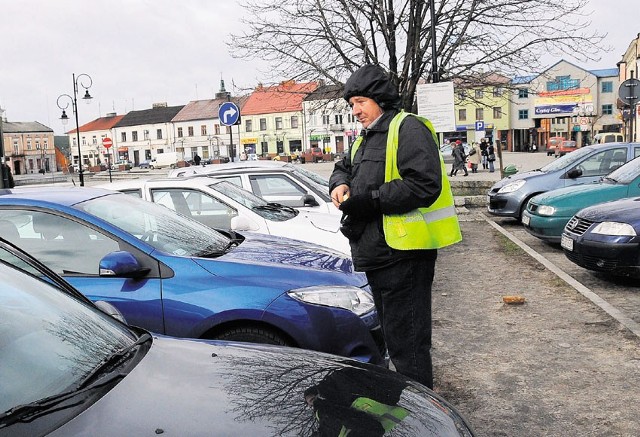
(229, 114)
(107, 143)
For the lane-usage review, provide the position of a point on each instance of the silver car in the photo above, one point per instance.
(509, 196)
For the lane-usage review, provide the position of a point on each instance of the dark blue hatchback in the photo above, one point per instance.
(174, 276)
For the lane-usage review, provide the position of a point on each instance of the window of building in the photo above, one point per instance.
(216, 129)
(562, 83)
(146, 134)
(523, 114)
(326, 119)
(278, 123)
(462, 94)
(45, 144)
(497, 112)
(37, 145)
(134, 135)
(203, 130)
(294, 122)
(190, 131)
(462, 114)
(351, 118)
(607, 87)
(94, 140)
(497, 91)
(338, 118)
(248, 125)
(523, 93)
(180, 132)
(479, 113)
(607, 109)
(159, 134)
(263, 124)
(123, 137)
(28, 144)
(479, 94)
(15, 147)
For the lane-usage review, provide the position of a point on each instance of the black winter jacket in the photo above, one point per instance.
(420, 186)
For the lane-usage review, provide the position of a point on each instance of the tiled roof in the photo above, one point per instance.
(205, 109)
(523, 79)
(159, 114)
(24, 127)
(285, 97)
(326, 92)
(102, 123)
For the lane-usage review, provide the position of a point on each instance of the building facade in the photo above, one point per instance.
(629, 68)
(29, 147)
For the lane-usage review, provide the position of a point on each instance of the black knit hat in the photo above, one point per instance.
(371, 81)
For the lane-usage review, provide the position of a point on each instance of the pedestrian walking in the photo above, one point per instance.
(7, 177)
(484, 154)
(475, 157)
(459, 159)
(196, 159)
(491, 156)
(398, 210)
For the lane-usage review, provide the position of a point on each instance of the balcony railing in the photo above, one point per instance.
(336, 127)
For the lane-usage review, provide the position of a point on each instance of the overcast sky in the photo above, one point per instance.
(138, 52)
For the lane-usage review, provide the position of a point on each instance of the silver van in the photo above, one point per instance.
(509, 196)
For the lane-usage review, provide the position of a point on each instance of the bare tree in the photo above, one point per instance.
(328, 39)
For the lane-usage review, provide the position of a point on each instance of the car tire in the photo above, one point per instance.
(253, 335)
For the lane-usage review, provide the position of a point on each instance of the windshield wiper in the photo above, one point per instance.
(272, 206)
(607, 178)
(51, 404)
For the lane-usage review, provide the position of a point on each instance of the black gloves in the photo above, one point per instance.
(365, 207)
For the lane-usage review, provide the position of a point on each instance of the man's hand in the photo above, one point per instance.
(365, 207)
(340, 194)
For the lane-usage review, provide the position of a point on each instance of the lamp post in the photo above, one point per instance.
(74, 103)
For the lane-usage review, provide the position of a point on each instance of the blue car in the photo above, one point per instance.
(174, 276)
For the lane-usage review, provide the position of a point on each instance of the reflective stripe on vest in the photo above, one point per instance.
(432, 227)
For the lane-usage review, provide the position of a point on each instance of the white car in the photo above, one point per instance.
(275, 181)
(222, 205)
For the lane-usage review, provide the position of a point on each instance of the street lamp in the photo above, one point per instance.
(74, 104)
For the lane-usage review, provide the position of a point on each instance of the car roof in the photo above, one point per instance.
(66, 196)
(189, 181)
(234, 167)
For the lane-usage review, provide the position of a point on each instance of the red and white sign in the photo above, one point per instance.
(106, 142)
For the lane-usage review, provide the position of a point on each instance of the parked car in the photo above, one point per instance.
(121, 165)
(175, 276)
(280, 182)
(70, 370)
(548, 213)
(608, 137)
(565, 147)
(509, 196)
(220, 204)
(166, 159)
(553, 144)
(145, 164)
(604, 237)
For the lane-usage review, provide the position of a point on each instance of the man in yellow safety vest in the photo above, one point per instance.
(398, 210)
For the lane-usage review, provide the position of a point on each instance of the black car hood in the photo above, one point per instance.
(184, 387)
(623, 211)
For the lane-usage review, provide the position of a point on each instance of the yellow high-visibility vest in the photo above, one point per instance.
(432, 227)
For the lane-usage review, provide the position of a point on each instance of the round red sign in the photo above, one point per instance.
(106, 142)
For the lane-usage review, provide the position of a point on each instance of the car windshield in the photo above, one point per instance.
(315, 181)
(567, 160)
(156, 225)
(626, 173)
(49, 341)
(257, 204)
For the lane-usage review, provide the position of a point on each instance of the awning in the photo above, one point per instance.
(123, 149)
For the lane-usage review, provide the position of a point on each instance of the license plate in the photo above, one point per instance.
(566, 243)
(526, 220)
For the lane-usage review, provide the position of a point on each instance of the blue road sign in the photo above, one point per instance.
(228, 113)
(479, 125)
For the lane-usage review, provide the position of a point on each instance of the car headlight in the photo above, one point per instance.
(348, 297)
(614, 228)
(512, 186)
(545, 210)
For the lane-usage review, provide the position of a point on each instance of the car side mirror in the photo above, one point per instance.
(242, 223)
(574, 173)
(121, 264)
(309, 200)
(111, 310)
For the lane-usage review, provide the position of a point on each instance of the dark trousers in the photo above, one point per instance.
(402, 295)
